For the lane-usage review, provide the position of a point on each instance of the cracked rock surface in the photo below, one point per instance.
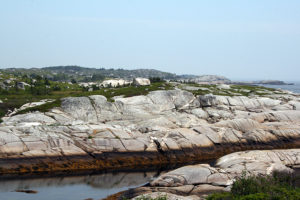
(159, 128)
(193, 181)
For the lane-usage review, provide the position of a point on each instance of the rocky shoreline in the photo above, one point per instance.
(159, 128)
(196, 181)
(127, 160)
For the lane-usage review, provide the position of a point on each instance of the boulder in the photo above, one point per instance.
(188, 175)
(114, 83)
(223, 87)
(141, 81)
(36, 118)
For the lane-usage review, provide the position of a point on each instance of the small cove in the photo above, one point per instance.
(83, 186)
(91, 186)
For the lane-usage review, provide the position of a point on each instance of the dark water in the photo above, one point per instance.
(293, 88)
(73, 187)
(79, 187)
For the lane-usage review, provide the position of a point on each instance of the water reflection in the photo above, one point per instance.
(73, 187)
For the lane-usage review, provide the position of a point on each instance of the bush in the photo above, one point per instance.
(273, 187)
(257, 196)
(56, 88)
(220, 196)
(42, 108)
(156, 79)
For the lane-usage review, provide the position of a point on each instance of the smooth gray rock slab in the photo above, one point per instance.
(79, 108)
(188, 175)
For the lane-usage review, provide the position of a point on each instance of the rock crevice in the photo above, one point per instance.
(160, 128)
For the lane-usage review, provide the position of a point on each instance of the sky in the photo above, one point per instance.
(239, 39)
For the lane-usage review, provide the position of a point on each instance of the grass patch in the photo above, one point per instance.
(273, 187)
(235, 90)
(12, 101)
(42, 108)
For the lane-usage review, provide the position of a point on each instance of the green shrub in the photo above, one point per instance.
(273, 187)
(248, 185)
(156, 79)
(257, 196)
(42, 108)
(220, 196)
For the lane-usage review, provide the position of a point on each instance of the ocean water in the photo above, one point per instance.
(293, 88)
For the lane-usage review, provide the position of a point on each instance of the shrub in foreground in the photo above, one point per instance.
(273, 187)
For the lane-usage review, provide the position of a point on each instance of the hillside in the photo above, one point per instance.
(66, 73)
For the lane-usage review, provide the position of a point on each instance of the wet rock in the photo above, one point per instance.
(27, 191)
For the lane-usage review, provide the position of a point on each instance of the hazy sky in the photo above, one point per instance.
(240, 39)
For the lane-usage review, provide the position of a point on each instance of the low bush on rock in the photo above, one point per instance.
(42, 108)
(274, 187)
(129, 91)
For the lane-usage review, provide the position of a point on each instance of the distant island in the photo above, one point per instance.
(263, 82)
(273, 82)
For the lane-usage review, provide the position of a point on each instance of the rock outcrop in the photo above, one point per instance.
(162, 127)
(141, 81)
(193, 181)
(206, 79)
(115, 83)
(28, 105)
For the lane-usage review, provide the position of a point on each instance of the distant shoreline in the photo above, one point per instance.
(295, 87)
